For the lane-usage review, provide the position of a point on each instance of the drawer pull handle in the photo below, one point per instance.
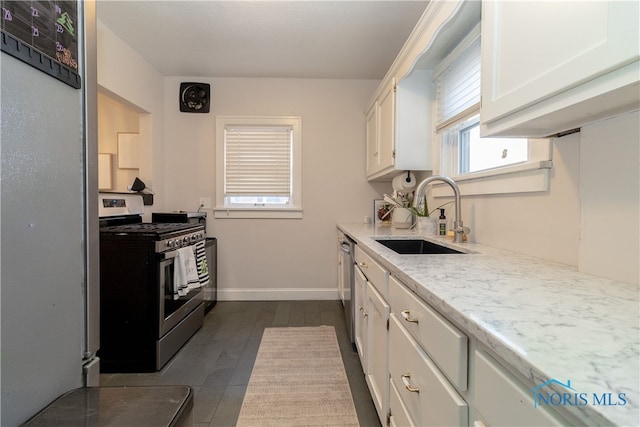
(407, 385)
(363, 264)
(361, 308)
(406, 315)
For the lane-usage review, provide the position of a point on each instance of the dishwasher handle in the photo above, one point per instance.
(345, 246)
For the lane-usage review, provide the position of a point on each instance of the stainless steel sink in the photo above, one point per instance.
(416, 246)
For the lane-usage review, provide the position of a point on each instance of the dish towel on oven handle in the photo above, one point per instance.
(185, 272)
(201, 261)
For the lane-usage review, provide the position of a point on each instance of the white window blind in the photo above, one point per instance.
(258, 161)
(258, 167)
(480, 165)
(458, 86)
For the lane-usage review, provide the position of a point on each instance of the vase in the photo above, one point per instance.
(401, 218)
(427, 225)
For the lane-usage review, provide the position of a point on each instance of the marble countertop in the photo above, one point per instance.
(545, 319)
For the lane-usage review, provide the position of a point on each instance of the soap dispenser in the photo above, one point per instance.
(442, 224)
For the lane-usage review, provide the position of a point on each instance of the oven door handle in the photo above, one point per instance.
(168, 255)
(173, 254)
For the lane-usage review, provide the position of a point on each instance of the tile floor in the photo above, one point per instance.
(217, 361)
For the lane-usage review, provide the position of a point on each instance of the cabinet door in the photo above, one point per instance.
(414, 130)
(340, 270)
(377, 373)
(373, 164)
(360, 316)
(532, 51)
(503, 401)
(429, 398)
(387, 127)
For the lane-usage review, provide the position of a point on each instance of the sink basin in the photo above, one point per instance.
(415, 246)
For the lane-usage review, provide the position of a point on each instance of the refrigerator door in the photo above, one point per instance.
(43, 263)
(91, 343)
(45, 237)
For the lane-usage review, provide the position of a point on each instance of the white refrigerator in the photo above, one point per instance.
(49, 230)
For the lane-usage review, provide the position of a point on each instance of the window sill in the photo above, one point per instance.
(521, 178)
(278, 213)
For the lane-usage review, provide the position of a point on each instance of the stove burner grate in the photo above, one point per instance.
(149, 230)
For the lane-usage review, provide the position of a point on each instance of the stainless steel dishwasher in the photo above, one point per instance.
(346, 284)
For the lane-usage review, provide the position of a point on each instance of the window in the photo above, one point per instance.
(258, 167)
(464, 152)
(465, 156)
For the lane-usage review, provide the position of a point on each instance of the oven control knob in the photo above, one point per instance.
(170, 244)
(185, 240)
(177, 243)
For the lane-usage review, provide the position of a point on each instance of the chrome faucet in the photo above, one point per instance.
(458, 230)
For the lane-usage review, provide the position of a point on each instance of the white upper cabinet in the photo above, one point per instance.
(373, 162)
(387, 127)
(548, 67)
(399, 120)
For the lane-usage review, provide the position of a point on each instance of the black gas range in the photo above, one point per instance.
(147, 311)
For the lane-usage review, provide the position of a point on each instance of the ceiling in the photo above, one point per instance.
(258, 38)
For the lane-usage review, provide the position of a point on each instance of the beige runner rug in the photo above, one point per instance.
(298, 379)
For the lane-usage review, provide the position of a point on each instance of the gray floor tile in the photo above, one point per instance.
(217, 361)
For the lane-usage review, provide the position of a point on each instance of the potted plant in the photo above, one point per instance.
(425, 223)
(422, 210)
(401, 214)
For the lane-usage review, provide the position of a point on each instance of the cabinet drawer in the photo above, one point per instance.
(399, 413)
(502, 400)
(376, 274)
(442, 341)
(427, 395)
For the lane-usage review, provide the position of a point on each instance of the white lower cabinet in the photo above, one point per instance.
(423, 370)
(429, 398)
(501, 400)
(360, 316)
(377, 373)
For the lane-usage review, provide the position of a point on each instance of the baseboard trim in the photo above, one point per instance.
(277, 294)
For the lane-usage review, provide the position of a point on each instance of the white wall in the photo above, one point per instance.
(589, 216)
(126, 77)
(277, 259)
(544, 224)
(113, 118)
(178, 164)
(610, 198)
